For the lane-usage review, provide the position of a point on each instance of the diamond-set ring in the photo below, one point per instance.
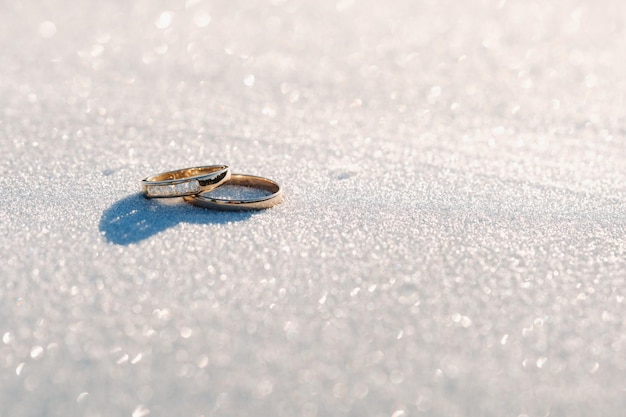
(186, 181)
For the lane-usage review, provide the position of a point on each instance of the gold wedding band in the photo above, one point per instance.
(203, 200)
(186, 181)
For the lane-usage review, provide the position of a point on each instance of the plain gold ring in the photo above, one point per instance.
(275, 197)
(185, 182)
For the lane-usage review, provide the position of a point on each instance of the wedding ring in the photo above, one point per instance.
(186, 181)
(204, 200)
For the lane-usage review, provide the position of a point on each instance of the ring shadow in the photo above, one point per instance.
(135, 218)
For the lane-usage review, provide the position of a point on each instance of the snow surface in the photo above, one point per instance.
(452, 240)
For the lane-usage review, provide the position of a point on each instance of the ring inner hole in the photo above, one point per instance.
(237, 192)
(186, 173)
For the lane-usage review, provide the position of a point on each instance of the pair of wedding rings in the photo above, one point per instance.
(194, 185)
